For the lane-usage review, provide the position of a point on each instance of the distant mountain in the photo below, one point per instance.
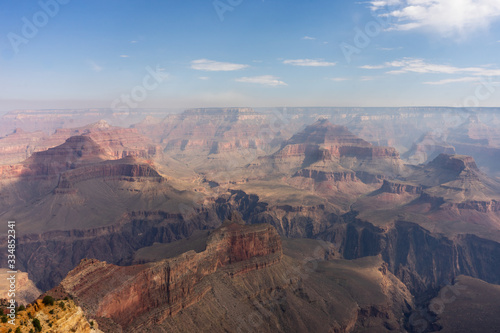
(472, 137)
(206, 139)
(324, 151)
(116, 141)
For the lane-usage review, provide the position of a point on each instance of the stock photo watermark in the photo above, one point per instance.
(363, 36)
(140, 92)
(31, 26)
(223, 6)
(486, 88)
(11, 272)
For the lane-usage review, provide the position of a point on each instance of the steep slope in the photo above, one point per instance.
(77, 193)
(241, 282)
(468, 305)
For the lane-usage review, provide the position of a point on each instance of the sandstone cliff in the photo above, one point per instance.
(162, 289)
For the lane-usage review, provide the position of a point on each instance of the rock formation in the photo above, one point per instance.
(124, 293)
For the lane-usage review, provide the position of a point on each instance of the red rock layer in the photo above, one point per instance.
(166, 287)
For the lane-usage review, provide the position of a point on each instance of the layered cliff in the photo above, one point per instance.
(162, 289)
(323, 148)
(456, 182)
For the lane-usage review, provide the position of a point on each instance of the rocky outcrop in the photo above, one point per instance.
(335, 152)
(480, 206)
(166, 287)
(79, 158)
(454, 163)
(126, 169)
(322, 176)
(400, 188)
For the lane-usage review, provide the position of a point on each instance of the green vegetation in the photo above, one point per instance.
(37, 325)
(4, 319)
(18, 330)
(21, 308)
(48, 300)
(62, 306)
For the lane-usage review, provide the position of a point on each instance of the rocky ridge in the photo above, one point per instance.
(172, 284)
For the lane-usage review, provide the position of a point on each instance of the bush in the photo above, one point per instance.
(18, 330)
(4, 319)
(37, 325)
(61, 305)
(21, 308)
(48, 300)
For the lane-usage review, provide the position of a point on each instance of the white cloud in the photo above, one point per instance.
(338, 79)
(411, 65)
(373, 66)
(133, 41)
(309, 62)
(267, 80)
(215, 66)
(124, 56)
(95, 67)
(203, 78)
(389, 48)
(477, 79)
(367, 78)
(309, 38)
(458, 80)
(447, 17)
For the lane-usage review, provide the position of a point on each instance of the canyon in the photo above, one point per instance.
(129, 206)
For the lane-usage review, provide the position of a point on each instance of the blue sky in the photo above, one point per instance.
(173, 53)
